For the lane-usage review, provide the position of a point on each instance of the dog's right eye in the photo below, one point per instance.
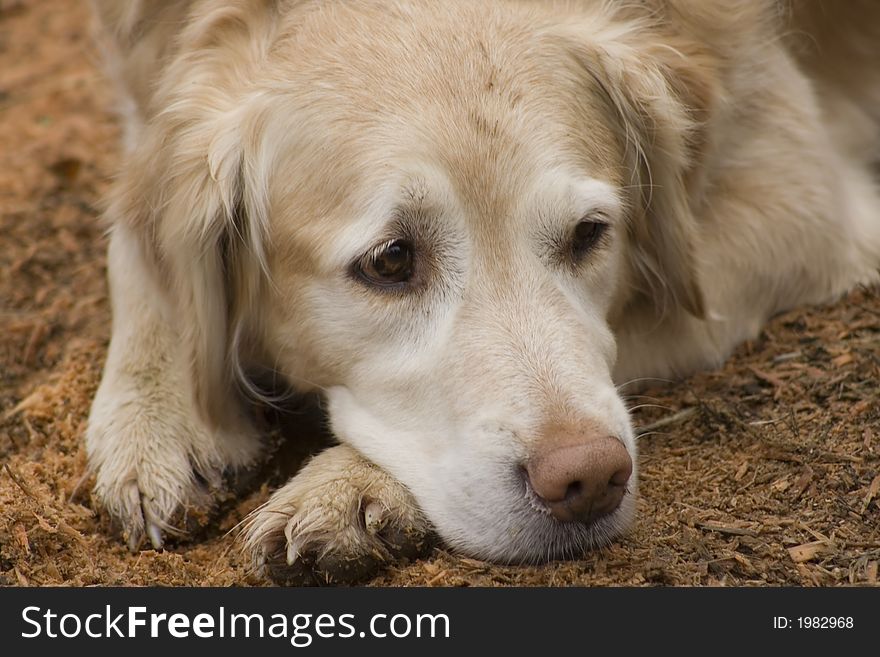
(588, 234)
(388, 265)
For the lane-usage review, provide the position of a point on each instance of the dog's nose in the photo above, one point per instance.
(584, 481)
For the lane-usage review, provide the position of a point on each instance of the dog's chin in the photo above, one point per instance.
(528, 535)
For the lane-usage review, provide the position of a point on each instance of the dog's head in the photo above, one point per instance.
(436, 213)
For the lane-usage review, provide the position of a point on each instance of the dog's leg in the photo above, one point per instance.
(338, 520)
(156, 461)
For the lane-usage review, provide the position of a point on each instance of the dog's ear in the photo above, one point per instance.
(658, 90)
(194, 192)
(194, 189)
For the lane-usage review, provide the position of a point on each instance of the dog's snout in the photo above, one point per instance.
(581, 482)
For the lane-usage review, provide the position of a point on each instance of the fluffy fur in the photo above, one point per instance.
(730, 147)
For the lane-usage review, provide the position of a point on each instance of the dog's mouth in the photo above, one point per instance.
(514, 525)
(537, 535)
(573, 539)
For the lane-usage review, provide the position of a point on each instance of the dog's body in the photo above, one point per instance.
(462, 221)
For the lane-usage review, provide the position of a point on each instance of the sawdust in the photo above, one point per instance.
(764, 472)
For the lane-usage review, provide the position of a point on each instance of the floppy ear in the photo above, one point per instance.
(192, 192)
(195, 191)
(659, 90)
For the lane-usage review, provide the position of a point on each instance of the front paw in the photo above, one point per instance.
(339, 520)
(158, 470)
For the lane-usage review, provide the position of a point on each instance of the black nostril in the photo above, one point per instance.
(621, 477)
(574, 491)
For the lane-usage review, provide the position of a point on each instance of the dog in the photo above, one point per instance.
(466, 224)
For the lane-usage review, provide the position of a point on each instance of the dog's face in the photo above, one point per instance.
(448, 281)
(437, 224)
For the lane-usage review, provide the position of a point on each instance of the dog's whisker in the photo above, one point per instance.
(631, 398)
(645, 434)
(661, 406)
(644, 379)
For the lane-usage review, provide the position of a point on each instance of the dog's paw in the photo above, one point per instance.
(339, 520)
(158, 470)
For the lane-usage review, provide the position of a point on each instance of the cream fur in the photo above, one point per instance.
(272, 143)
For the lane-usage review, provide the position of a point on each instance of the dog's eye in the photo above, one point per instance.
(388, 264)
(586, 235)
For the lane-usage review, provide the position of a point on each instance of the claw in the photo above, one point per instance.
(134, 542)
(292, 553)
(155, 535)
(373, 517)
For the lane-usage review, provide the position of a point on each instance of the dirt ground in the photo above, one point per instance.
(762, 473)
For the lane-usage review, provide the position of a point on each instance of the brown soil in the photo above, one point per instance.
(765, 472)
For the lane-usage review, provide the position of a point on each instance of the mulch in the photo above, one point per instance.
(764, 472)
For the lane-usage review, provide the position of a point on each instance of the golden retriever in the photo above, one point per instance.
(466, 223)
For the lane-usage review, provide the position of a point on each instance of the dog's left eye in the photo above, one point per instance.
(388, 264)
(587, 234)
